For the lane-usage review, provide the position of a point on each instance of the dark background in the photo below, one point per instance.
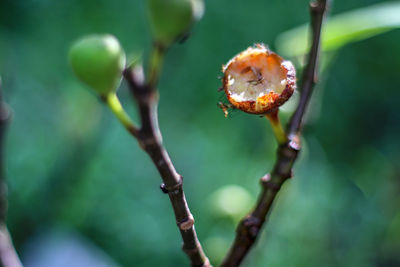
(79, 185)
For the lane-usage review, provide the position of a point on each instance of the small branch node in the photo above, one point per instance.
(289, 150)
(163, 189)
(252, 225)
(171, 190)
(186, 223)
(176, 188)
(267, 183)
(295, 144)
(253, 231)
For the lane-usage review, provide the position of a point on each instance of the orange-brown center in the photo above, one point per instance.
(255, 79)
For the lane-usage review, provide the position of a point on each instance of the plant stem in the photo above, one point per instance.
(155, 64)
(115, 106)
(249, 228)
(277, 128)
(150, 139)
(310, 77)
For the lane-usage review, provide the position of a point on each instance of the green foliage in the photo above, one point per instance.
(98, 60)
(171, 19)
(343, 29)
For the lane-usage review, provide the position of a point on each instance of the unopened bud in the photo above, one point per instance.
(98, 61)
(172, 19)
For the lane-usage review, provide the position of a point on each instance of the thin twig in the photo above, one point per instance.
(249, 228)
(150, 139)
(309, 79)
(8, 256)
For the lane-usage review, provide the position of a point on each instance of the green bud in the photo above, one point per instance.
(172, 19)
(98, 61)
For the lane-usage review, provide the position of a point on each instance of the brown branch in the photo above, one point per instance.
(8, 256)
(149, 138)
(249, 228)
(309, 79)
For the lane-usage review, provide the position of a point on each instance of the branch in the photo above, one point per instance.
(309, 79)
(8, 256)
(150, 139)
(249, 228)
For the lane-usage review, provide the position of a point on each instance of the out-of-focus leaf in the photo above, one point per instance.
(342, 29)
(230, 201)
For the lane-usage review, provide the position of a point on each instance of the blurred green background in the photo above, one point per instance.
(78, 180)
